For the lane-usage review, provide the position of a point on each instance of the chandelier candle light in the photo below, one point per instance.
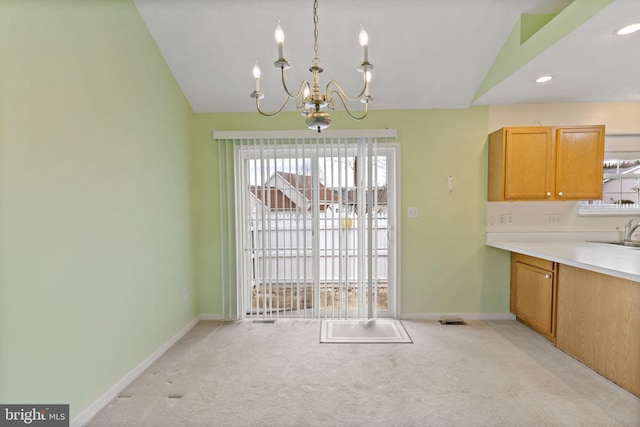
(308, 96)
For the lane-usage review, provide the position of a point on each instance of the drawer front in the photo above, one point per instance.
(536, 262)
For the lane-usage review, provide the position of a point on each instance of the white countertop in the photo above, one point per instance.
(575, 250)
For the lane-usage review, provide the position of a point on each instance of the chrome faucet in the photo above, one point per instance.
(630, 229)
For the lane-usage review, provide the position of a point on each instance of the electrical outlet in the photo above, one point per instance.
(553, 219)
(505, 219)
(185, 293)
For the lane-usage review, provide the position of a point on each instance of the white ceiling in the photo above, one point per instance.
(426, 54)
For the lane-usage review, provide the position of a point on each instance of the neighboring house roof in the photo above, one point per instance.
(288, 191)
(273, 198)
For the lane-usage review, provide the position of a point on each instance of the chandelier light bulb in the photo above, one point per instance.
(367, 79)
(256, 76)
(279, 34)
(256, 71)
(364, 42)
(280, 40)
(363, 37)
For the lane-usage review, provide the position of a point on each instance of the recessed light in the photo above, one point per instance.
(543, 79)
(628, 29)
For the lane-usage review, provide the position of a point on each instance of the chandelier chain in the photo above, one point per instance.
(315, 60)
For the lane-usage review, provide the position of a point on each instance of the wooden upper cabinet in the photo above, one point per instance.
(528, 160)
(546, 163)
(579, 162)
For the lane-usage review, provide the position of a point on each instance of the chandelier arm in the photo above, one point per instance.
(342, 93)
(344, 104)
(290, 95)
(296, 93)
(284, 102)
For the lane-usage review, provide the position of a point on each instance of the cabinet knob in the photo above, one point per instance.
(560, 194)
(547, 276)
(548, 193)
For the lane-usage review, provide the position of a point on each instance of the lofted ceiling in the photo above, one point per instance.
(426, 53)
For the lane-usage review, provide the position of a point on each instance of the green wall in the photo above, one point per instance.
(95, 230)
(445, 265)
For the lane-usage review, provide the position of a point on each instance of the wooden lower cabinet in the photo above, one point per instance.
(598, 322)
(533, 293)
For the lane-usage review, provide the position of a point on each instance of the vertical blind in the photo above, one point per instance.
(304, 230)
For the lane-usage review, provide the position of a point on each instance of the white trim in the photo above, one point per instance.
(603, 211)
(465, 316)
(398, 231)
(304, 134)
(90, 411)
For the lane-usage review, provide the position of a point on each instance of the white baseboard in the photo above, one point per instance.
(466, 316)
(83, 417)
(211, 316)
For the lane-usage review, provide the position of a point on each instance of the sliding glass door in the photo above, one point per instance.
(315, 228)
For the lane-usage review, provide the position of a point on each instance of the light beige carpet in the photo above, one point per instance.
(496, 373)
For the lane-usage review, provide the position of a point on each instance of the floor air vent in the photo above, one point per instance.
(452, 321)
(262, 321)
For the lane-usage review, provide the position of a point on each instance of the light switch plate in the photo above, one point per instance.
(412, 212)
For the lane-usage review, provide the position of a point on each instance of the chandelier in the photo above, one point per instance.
(308, 96)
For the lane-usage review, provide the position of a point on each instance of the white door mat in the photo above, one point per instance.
(380, 331)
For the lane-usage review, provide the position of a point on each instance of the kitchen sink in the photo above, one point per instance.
(629, 244)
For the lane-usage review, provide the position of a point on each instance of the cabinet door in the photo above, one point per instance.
(534, 296)
(579, 156)
(599, 323)
(528, 163)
